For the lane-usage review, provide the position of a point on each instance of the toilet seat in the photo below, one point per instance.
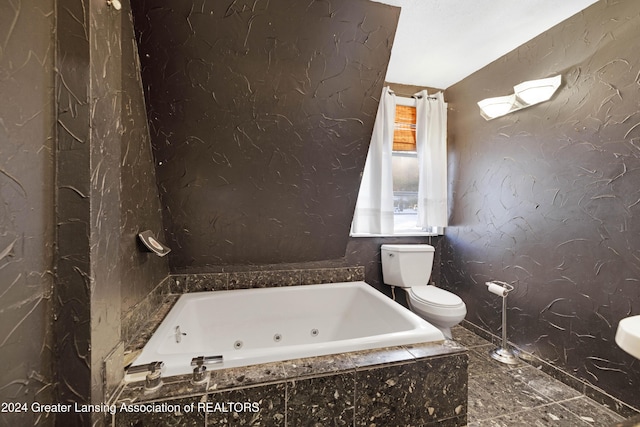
(435, 297)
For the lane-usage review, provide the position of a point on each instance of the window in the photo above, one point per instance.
(404, 128)
(404, 166)
(405, 171)
(404, 182)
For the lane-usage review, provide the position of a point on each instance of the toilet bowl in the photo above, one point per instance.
(409, 267)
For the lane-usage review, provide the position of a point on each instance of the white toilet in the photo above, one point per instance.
(409, 267)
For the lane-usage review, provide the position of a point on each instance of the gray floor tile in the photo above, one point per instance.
(481, 363)
(467, 338)
(543, 383)
(498, 394)
(520, 395)
(591, 412)
(544, 416)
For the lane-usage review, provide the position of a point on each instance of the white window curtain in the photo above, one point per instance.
(431, 145)
(374, 208)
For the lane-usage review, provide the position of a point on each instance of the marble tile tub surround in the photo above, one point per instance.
(183, 283)
(417, 385)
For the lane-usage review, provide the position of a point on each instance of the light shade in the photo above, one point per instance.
(491, 108)
(536, 91)
(526, 94)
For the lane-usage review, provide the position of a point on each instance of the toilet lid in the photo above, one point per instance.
(435, 296)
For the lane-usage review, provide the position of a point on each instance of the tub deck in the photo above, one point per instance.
(412, 384)
(421, 384)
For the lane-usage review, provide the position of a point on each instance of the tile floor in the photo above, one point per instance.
(515, 396)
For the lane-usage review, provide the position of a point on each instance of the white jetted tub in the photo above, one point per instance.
(252, 326)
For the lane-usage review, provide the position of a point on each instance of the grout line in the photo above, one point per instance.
(529, 409)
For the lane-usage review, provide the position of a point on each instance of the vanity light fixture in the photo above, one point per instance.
(115, 4)
(526, 94)
(537, 91)
(491, 108)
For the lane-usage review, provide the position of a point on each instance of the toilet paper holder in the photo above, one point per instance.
(503, 353)
(499, 288)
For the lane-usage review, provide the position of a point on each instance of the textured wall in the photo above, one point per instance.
(106, 194)
(88, 217)
(547, 198)
(261, 114)
(140, 203)
(73, 269)
(27, 130)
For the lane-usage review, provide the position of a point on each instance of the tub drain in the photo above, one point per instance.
(277, 337)
(237, 345)
(314, 332)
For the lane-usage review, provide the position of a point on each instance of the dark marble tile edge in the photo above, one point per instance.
(460, 420)
(358, 361)
(139, 323)
(146, 329)
(570, 380)
(446, 348)
(339, 264)
(263, 278)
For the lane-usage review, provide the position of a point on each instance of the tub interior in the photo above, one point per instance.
(262, 325)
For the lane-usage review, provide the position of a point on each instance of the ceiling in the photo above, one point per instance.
(440, 42)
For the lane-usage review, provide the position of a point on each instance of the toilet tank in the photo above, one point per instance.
(406, 265)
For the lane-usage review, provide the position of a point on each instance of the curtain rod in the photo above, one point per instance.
(414, 96)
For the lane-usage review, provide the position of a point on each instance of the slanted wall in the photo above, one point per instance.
(261, 115)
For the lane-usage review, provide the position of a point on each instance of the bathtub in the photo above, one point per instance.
(253, 326)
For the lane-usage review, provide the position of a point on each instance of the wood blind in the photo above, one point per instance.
(404, 133)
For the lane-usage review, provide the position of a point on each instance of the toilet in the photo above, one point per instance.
(409, 267)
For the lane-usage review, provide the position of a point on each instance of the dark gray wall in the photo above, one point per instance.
(27, 130)
(140, 203)
(547, 198)
(261, 115)
(88, 183)
(93, 177)
(106, 194)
